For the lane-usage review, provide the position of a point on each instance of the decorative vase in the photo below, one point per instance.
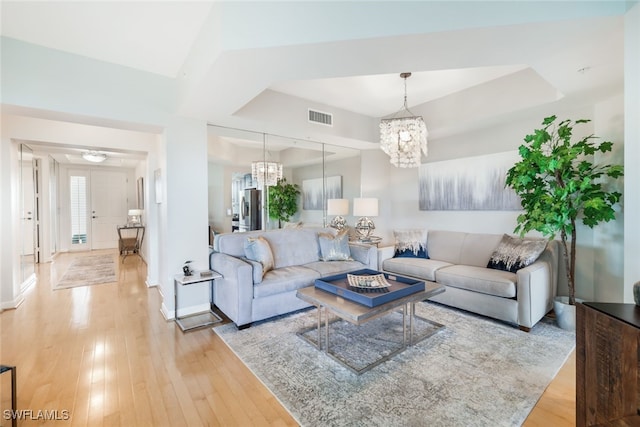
(565, 313)
(636, 293)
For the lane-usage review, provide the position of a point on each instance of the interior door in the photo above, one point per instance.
(108, 207)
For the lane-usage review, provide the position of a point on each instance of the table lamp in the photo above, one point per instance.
(364, 208)
(338, 207)
(134, 217)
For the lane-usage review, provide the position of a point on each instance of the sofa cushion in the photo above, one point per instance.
(329, 268)
(285, 279)
(411, 243)
(479, 279)
(445, 245)
(415, 267)
(514, 253)
(477, 248)
(334, 247)
(294, 246)
(289, 246)
(258, 249)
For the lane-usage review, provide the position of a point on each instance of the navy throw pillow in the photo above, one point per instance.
(408, 253)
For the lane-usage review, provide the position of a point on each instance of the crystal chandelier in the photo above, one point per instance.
(404, 136)
(266, 173)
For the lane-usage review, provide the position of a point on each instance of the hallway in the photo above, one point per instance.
(106, 356)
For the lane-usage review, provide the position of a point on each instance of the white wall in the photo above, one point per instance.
(631, 150)
(183, 213)
(397, 191)
(608, 238)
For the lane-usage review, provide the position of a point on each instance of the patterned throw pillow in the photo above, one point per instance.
(258, 249)
(411, 243)
(334, 248)
(514, 253)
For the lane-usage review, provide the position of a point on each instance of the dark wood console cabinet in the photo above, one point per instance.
(607, 364)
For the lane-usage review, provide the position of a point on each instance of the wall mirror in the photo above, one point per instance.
(238, 200)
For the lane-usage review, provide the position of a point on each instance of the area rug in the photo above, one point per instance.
(89, 270)
(473, 372)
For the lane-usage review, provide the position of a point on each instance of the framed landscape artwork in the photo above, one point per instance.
(312, 192)
(472, 184)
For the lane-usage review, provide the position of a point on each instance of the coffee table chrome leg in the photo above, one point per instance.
(412, 315)
(319, 323)
(326, 330)
(404, 325)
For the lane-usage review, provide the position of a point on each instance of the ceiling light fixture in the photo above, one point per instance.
(94, 156)
(404, 135)
(266, 174)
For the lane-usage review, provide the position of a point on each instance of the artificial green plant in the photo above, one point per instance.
(283, 201)
(558, 182)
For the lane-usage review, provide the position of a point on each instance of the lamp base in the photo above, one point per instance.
(364, 228)
(339, 223)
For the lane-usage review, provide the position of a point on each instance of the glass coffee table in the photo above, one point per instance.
(344, 309)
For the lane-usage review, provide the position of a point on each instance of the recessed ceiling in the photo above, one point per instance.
(383, 94)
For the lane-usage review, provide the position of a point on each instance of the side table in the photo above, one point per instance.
(198, 320)
(129, 242)
(370, 241)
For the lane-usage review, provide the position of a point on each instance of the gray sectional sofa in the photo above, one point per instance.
(246, 295)
(459, 261)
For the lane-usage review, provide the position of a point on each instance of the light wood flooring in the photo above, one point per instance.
(105, 354)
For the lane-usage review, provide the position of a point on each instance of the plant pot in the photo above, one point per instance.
(565, 313)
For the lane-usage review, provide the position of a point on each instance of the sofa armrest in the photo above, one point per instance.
(534, 293)
(233, 294)
(366, 254)
(384, 254)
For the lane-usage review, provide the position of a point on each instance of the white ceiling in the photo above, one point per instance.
(357, 74)
(153, 36)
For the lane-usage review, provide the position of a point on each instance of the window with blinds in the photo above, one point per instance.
(78, 191)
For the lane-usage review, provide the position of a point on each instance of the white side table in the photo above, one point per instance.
(198, 320)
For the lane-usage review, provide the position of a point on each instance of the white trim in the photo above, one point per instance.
(12, 305)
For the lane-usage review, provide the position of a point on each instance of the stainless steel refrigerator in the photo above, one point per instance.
(250, 209)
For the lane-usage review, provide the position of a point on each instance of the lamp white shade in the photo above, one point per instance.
(337, 206)
(365, 207)
(137, 212)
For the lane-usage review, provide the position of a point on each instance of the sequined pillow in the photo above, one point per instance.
(514, 253)
(411, 243)
(258, 249)
(334, 248)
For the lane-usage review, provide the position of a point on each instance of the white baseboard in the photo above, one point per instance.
(13, 304)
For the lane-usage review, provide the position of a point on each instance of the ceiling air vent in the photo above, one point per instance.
(320, 117)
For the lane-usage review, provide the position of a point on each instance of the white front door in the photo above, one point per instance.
(108, 207)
